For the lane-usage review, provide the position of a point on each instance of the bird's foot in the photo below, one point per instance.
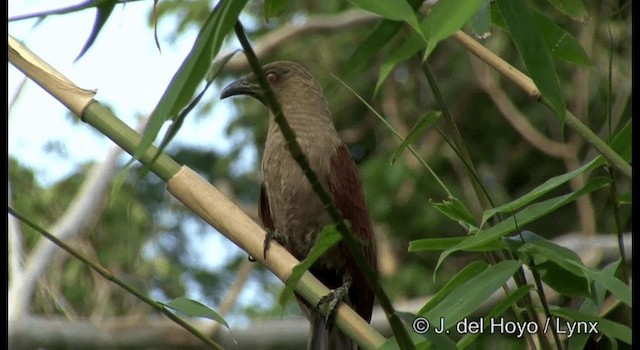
(334, 297)
(270, 236)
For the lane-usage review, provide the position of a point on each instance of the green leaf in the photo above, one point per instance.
(64, 10)
(434, 340)
(527, 215)
(609, 281)
(565, 258)
(591, 307)
(498, 310)
(327, 238)
(611, 328)
(468, 296)
(103, 11)
(481, 21)
(422, 125)
(461, 277)
(563, 281)
(534, 52)
(537, 192)
(273, 8)
(445, 18)
(409, 48)
(455, 210)
(398, 10)
(365, 52)
(439, 244)
(536, 246)
(622, 142)
(193, 69)
(175, 126)
(572, 8)
(194, 308)
(561, 44)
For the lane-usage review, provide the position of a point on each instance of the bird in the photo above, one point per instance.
(289, 208)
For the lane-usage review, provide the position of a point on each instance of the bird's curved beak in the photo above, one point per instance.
(243, 86)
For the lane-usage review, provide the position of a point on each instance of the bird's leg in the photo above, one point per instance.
(334, 297)
(272, 235)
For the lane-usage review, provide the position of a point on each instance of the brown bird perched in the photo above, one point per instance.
(290, 209)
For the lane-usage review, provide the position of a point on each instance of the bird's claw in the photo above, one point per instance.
(334, 297)
(270, 236)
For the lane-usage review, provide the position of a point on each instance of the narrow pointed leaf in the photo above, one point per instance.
(175, 126)
(440, 244)
(471, 270)
(610, 282)
(460, 303)
(572, 8)
(622, 142)
(456, 210)
(193, 69)
(408, 48)
(194, 308)
(103, 11)
(273, 8)
(327, 238)
(495, 313)
(527, 215)
(64, 10)
(422, 125)
(481, 21)
(534, 52)
(611, 328)
(398, 10)
(365, 52)
(541, 190)
(445, 18)
(562, 44)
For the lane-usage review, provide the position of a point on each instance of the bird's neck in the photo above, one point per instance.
(311, 123)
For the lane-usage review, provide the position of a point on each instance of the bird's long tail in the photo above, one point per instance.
(322, 337)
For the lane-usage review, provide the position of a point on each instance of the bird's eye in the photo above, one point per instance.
(272, 78)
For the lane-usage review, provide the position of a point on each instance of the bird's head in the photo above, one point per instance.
(289, 81)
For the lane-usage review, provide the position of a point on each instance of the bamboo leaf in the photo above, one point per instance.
(527, 215)
(440, 244)
(541, 190)
(498, 310)
(456, 210)
(572, 8)
(193, 69)
(459, 302)
(445, 18)
(534, 52)
(273, 8)
(603, 325)
(194, 308)
(471, 270)
(422, 125)
(481, 21)
(398, 10)
(327, 238)
(103, 11)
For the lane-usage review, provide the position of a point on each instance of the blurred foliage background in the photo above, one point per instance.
(148, 238)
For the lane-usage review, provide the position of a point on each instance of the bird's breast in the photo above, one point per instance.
(296, 210)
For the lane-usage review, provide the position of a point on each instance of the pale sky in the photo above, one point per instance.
(123, 65)
(130, 76)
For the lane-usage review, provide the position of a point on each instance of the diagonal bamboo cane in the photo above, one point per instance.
(188, 187)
